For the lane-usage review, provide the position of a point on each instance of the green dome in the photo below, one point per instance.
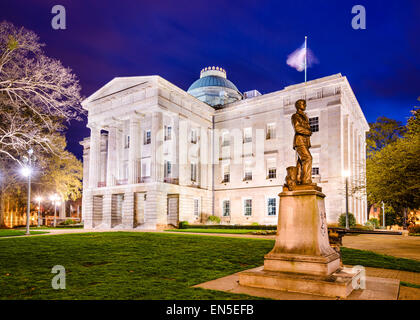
(212, 81)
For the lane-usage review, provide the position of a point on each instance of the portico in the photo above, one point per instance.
(133, 153)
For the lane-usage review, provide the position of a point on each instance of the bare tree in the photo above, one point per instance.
(37, 94)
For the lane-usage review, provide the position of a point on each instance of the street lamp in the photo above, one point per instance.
(383, 214)
(39, 199)
(346, 174)
(26, 172)
(54, 198)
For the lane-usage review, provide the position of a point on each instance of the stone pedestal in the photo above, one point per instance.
(302, 259)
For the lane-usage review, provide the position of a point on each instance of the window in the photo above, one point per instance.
(247, 172)
(147, 137)
(248, 207)
(226, 173)
(315, 171)
(272, 173)
(168, 168)
(375, 209)
(226, 177)
(271, 168)
(226, 208)
(196, 207)
(225, 139)
(271, 206)
(193, 136)
(168, 133)
(271, 131)
(247, 135)
(314, 123)
(126, 141)
(193, 172)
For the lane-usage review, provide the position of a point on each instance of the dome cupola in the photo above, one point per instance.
(214, 88)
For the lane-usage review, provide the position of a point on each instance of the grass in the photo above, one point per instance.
(376, 260)
(124, 265)
(227, 231)
(409, 284)
(13, 232)
(131, 265)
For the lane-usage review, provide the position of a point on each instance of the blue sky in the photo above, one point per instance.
(250, 39)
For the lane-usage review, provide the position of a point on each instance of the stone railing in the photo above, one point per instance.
(171, 180)
(122, 182)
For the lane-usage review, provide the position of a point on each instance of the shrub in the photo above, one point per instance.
(213, 219)
(264, 232)
(254, 224)
(68, 222)
(227, 226)
(342, 220)
(375, 222)
(414, 228)
(370, 225)
(183, 224)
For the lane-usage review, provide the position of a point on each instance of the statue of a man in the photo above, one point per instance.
(302, 143)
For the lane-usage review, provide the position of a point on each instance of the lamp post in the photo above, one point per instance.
(26, 172)
(346, 174)
(383, 214)
(39, 199)
(54, 198)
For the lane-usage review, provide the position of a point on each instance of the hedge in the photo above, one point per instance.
(224, 226)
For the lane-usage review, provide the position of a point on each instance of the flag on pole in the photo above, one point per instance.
(301, 58)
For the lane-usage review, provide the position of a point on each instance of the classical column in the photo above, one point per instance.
(157, 147)
(203, 157)
(128, 210)
(107, 211)
(94, 156)
(182, 151)
(119, 166)
(112, 156)
(175, 147)
(134, 151)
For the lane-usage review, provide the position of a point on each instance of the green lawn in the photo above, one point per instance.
(131, 265)
(227, 231)
(377, 260)
(17, 232)
(124, 265)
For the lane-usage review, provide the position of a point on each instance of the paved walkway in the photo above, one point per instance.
(397, 246)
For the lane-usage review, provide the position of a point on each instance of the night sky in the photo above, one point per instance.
(250, 39)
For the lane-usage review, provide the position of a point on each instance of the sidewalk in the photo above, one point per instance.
(397, 246)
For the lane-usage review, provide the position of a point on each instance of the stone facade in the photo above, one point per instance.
(158, 155)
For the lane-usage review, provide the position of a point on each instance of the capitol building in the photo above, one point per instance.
(158, 155)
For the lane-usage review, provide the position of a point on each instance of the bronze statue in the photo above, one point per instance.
(302, 173)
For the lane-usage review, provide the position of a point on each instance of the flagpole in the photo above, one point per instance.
(306, 54)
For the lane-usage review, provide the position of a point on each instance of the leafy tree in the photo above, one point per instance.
(393, 172)
(63, 174)
(53, 173)
(383, 132)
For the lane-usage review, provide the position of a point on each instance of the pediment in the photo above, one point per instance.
(117, 85)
